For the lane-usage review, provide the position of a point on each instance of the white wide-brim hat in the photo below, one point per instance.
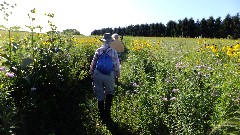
(107, 37)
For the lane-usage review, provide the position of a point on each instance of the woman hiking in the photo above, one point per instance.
(104, 81)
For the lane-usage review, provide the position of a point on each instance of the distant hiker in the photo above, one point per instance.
(103, 78)
(117, 45)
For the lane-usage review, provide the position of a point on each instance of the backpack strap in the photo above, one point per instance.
(106, 50)
(103, 52)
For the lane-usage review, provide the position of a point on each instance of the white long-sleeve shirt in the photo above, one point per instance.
(112, 53)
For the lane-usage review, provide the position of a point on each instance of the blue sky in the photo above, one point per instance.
(87, 15)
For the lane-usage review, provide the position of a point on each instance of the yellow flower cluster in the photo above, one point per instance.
(229, 50)
(232, 50)
(213, 47)
(139, 44)
(46, 42)
(87, 40)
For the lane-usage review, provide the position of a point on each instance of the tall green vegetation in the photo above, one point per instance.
(167, 85)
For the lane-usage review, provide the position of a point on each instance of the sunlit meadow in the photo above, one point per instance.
(167, 85)
(182, 85)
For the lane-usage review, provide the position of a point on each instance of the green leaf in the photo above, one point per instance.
(1, 86)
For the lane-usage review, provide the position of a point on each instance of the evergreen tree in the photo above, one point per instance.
(185, 31)
(171, 29)
(180, 28)
(211, 26)
(227, 26)
(191, 28)
(197, 28)
(236, 26)
(204, 28)
(217, 28)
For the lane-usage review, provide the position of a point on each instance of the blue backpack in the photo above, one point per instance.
(104, 63)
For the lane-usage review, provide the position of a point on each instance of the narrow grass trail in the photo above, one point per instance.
(113, 126)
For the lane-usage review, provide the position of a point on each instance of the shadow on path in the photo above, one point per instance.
(116, 129)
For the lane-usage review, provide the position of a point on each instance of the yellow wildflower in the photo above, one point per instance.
(236, 47)
(46, 42)
(214, 49)
(12, 39)
(230, 51)
(208, 46)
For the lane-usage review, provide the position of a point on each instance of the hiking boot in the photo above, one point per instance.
(108, 104)
(101, 109)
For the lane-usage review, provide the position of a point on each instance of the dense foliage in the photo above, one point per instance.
(71, 32)
(177, 85)
(209, 28)
(166, 86)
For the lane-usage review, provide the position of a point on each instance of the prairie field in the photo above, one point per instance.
(166, 86)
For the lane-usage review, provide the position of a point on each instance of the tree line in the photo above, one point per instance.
(229, 27)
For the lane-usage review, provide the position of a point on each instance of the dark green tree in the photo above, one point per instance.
(71, 31)
(191, 28)
(171, 29)
(204, 28)
(161, 30)
(236, 26)
(227, 26)
(197, 28)
(211, 26)
(185, 31)
(152, 30)
(217, 28)
(180, 28)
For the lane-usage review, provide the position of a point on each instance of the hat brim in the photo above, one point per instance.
(106, 39)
